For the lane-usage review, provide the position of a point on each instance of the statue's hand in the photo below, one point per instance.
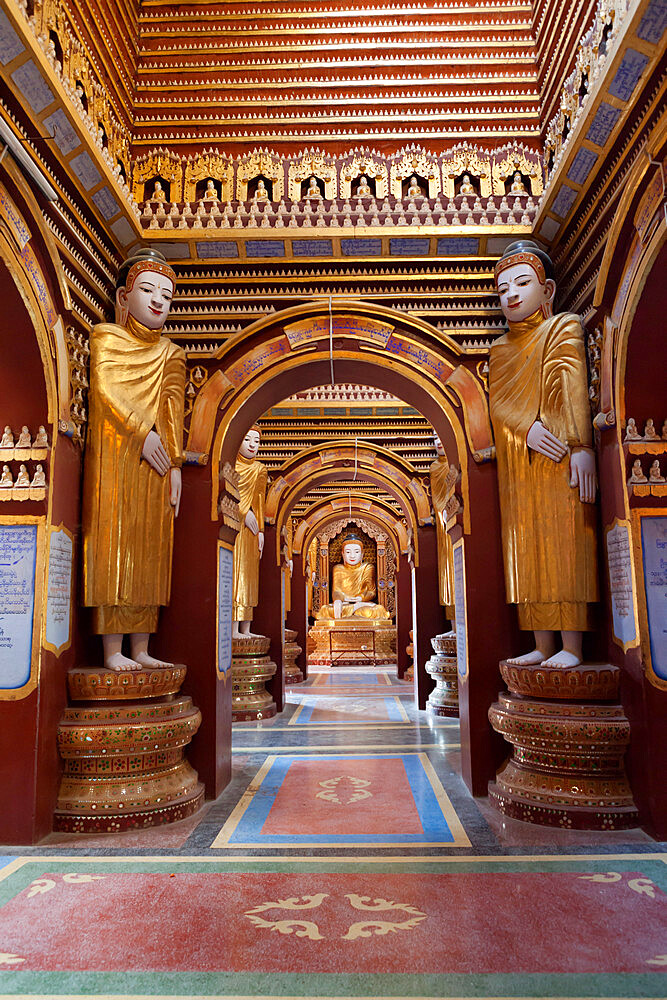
(546, 443)
(175, 493)
(155, 453)
(251, 522)
(260, 541)
(583, 475)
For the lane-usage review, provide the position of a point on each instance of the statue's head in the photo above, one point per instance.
(352, 550)
(525, 281)
(144, 289)
(260, 185)
(363, 179)
(250, 444)
(158, 186)
(517, 176)
(437, 444)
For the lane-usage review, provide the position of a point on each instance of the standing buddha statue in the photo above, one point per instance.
(249, 543)
(134, 453)
(538, 395)
(438, 473)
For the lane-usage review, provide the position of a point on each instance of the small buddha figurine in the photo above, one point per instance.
(313, 189)
(664, 431)
(518, 187)
(637, 474)
(363, 188)
(249, 543)
(353, 586)
(261, 194)
(631, 432)
(23, 479)
(41, 439)
(538, 398)
(7, 440)
(132, 467)
(6, 481)
(24, 438)
(159, 194)
(650, 433)
(210, 194)
(415, 191)
(655, 475)
(39, 479)
(466, 187)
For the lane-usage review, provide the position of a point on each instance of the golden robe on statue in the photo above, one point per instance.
(354, 581)
(439, 471)
(137, 384)
(537, 371)
(252, 495)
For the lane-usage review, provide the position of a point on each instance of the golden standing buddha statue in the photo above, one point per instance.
(353, 586)
(538, 395)
(438, 474)
(249, 543)
(134, 453)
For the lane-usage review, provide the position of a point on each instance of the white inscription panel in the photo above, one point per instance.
(619, 561)
(59, 591)
(654, 552)
(460, 610)
(225, 598)
(18, 555)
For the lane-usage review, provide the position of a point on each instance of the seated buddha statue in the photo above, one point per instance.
(353, 586)
(466, 186)
(210, 194)
(159, 193)
(261, 194)
(363, 188)
(518, 187)
(313, 189)
(415, 191)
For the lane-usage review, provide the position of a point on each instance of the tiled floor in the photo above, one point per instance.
(345, 859)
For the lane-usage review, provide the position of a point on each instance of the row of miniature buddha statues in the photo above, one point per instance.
(468, 185)
(654, 473)
(23, 480)
(650, 433)
(24, 439)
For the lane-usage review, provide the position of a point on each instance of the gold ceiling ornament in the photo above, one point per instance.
(589, 63)
(512, 158)
(415, 160)
(159, 163)
(260, 163)
(466, 159)
(59, 38)
(364, 163)
(312, 164)
(207, 165)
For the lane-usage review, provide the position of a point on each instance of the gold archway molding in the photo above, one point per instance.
(303, 335)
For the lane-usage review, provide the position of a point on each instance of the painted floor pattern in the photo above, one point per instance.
(345, 859)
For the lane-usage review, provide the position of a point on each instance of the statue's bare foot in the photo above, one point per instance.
(121, 663)
(145, 660)
(255, 635)
(562, 659)
(527, 660)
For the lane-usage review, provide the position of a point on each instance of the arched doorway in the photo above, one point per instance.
(298, 349)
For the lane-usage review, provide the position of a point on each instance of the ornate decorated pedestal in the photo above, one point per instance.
(444, 699)
(346, 642)
(291, 653)
(569, 736)
(123, 746)
(251, 669)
